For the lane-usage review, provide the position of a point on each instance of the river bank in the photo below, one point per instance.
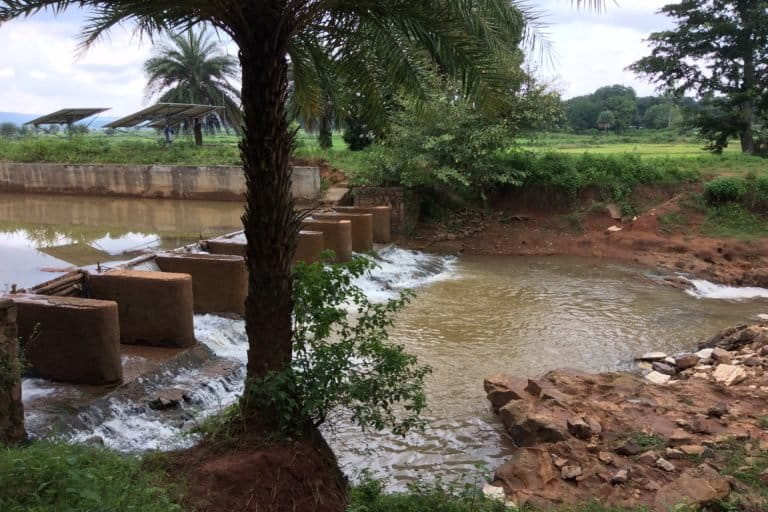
(668, 235)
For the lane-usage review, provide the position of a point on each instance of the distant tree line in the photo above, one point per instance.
(10, 130)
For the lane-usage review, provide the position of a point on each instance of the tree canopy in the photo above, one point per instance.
(717, 50)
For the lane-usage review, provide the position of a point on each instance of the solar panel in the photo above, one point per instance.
(164, 114)
(67, 116)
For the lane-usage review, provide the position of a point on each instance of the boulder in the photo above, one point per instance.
(527, 427)
(658, 378)
(685, 361)
(694, 487)
(652, 356)
(579, 428)
(620, 477)
(721, 356)
(718, 410)
(729, 375)
(663, 368)
(648, 457)
(527, 468)
(571, 472)
(664, 464)
(502, 389)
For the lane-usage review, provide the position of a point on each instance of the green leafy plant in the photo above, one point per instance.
(342, 357)
(725, 189)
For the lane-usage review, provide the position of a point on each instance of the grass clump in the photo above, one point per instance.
(51, 476)
(746, 466)
(672, 222)
(648, 441)
(732, 220)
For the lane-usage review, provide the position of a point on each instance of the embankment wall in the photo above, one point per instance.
(223, 183)
(11, 407)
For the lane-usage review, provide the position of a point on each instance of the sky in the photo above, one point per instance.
(41, 70)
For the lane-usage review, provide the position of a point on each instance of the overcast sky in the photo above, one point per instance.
(40, 70)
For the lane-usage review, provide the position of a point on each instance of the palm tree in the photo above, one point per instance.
(191, 67)
(470, 40)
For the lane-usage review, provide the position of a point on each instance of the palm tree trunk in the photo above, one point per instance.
(270, 221)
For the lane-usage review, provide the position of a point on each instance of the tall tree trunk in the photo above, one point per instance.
(270, 222)
(198, 132)
(325, 135)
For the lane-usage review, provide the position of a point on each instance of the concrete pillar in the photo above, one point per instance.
(11, 407)
(309, 246)
(226, 246)
(337, 236)
(219, 281)
(155, 308)
(70, 339)
(382, 220)
(362, 228)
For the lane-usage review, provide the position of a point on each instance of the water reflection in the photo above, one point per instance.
(42, 235)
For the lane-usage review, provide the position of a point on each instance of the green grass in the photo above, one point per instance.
(734, 221)
(746, 467)
(648, 441)
(673, 222)
(46, 477)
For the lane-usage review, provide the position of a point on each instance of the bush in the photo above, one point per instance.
(60, 477)
(756, 192)
(725, 189)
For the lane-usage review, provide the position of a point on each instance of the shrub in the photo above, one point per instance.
(725, 189)
(55, 476)
(756, 192)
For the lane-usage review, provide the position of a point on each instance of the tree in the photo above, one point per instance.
(719, 49)
(192, 67)
(583, 111)
(8, 130)
(606, 120)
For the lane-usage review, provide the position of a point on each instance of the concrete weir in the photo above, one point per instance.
(219, 281)
(382, 220)
(155, 308)
(337, 236)
(68, 339)
(361, 228)
(309, 246)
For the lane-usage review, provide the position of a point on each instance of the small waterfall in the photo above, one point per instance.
(706, 290)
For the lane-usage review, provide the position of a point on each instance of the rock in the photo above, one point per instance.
(167, 399)
(579, 428)
(718, 411)
(614, 229)
(614, 211)
(663, 368)
(648, 457)
(658, 378)
(670, 361)
(593, 447)
(620, 477)
(729, 375)
(493, 492)
(559, 462)
(694, 487)
(652, 356)
(665, 465)
(95, 441)
(527, 468)
(705, 353)
(673, 454)
(527, 428)
(502, 389)
(721, 356)
(764, 477)
(545, 390)
(685, 361)
(605, 457)
(697, 451)
(628, 448)
(764, 351)
(571, 472)
(763, 317)
(680, 437)
(753, 362)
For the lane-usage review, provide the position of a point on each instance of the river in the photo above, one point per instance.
(472, 316)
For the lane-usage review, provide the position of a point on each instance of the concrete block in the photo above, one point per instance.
(219, 281)
(382, 220)
(362, 228)
(11, 407)
(155, 308)
(226, 246)
(337, 236)
(309, 246)
(68, 339)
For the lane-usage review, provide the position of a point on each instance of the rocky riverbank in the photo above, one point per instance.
(687, 429)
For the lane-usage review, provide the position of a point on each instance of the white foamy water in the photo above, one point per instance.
(32, 389)
(705, 290)
(224, 336)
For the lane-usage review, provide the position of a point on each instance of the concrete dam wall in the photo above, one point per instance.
(220, 183)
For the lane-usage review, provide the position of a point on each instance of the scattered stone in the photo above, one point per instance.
(729, 375)
(502, 389)
(679, 438)
(763, 317)
(559, 462)
(605, 457)
(593, 447)
(753, 362)
(614, 229)
(628, 448)
(526, 428)
(682, 423)
(571, 472)
(686, 361)
(620, 477)
(658, 378)
(168, 399)
(692, 449)
(705, 353)
(579, 428)
(718, 411)
(764, 351)
(664, 464)
(664, 368)
(645, 365)
(721, 356)
(764, 476)
(494, 493)
(648, 457)
(95, 441)
(652, 356)
(673, 454)
(670, 361)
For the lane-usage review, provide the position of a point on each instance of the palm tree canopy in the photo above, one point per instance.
(191, 67)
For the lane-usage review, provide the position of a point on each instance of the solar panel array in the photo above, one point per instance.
(67, 116)
(164, 114)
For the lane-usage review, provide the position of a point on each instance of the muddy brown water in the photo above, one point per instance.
(485, 315)
(42, 234)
